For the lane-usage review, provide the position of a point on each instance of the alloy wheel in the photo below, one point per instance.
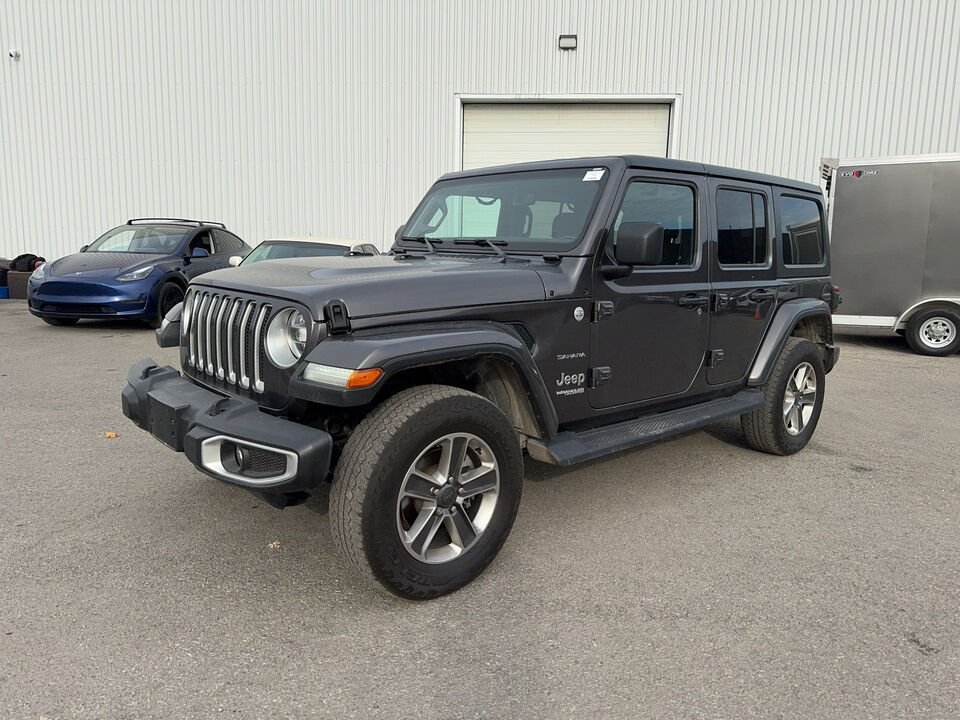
(447, 498)
(799, 398)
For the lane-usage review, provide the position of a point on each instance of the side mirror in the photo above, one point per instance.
(84, 248)
(199, 252)
(639, 243)
(235, 260)
(398, 234)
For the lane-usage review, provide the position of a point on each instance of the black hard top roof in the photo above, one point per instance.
(644, 162)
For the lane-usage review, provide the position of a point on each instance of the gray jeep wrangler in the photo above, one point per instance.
(566, 310)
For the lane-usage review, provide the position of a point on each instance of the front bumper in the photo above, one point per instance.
(278, 455)
(57, 297)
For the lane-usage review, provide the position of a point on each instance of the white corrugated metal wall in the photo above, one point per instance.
(333, 117)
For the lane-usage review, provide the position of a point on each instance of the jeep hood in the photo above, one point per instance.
(386, 284)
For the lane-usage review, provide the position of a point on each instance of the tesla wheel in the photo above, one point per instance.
(170, 294)
(61, 322)
(426, 490)
(793, 398)
(934, 332)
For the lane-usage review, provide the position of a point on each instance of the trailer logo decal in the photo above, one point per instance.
(858, 173)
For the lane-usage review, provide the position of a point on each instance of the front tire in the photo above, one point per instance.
(170, 294)
(61, 321)
(934, 332)
(793, 398)
(426, 490)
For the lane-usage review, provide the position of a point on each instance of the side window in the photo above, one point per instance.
(741, 228)
(227, 243)
(202, 241)
(801, 229)
(670, 205)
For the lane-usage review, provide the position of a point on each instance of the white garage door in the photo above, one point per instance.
(502, 133)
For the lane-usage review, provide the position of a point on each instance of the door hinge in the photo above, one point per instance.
(714, 358)
(602, 309)
(335, 313)
(599, 376)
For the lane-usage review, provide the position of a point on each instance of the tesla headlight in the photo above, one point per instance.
(136, 274)
(286, 338)
(38, 274)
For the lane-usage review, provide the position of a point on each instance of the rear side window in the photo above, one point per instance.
(227, 243)
(741, 228)
(801, 230)
(673, 207)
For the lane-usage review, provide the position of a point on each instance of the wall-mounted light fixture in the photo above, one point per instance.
(14, 54)
(567, 42)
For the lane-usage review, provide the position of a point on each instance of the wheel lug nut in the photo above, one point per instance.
(439, 512)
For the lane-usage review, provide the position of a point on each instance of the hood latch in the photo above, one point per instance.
(335, 313)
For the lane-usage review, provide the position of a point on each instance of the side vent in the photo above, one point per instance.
(524, 332)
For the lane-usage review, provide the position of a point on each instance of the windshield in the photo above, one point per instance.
(539, 210)
(277, 251)
(160, 239)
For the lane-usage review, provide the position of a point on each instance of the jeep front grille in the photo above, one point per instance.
(225, 337)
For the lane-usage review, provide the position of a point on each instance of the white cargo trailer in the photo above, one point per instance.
(895, 247)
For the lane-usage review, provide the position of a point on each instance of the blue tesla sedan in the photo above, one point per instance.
(137, 270)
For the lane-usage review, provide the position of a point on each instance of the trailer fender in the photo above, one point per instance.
(785, 321)
(905, 316)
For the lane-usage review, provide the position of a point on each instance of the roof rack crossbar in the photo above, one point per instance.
(185, 221)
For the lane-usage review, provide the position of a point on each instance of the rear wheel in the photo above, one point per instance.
(61, 321)
(934, 332)
(426, 490)
(793, 397)
(170, 294)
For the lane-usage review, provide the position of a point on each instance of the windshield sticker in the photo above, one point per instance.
(593, 175)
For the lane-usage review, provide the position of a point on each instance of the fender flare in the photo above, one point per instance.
(413, 346)
(784, 321)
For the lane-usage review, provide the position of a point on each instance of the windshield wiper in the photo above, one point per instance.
(425, 240)
(484, 241)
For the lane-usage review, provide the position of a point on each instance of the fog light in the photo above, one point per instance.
(240, 456)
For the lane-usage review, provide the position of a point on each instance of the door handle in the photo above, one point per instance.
(761, 295)
(693, 301)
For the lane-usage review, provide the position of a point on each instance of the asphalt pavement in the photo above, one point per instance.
(692, 578)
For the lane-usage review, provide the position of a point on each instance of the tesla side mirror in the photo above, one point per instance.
(235, 260)
(639, 243)
(199, 252)
(83, 248)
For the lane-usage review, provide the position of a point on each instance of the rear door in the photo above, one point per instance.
(743, 276)
(650, 328)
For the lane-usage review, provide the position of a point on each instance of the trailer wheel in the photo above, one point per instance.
(934, 331)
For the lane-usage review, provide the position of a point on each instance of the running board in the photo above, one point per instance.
(568, 447)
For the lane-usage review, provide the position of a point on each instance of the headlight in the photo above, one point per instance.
(136, 274)
(38, 273)
(286, 338)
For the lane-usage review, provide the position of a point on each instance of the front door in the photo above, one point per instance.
(650, 328)
(743, 286)
(194, 266)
